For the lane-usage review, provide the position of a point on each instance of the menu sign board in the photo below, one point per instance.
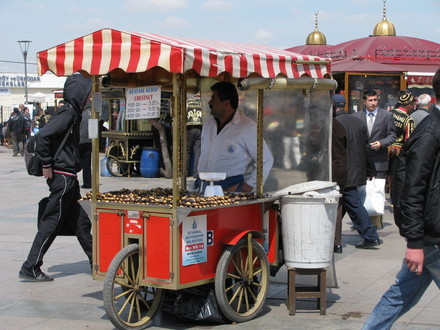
(143, 102)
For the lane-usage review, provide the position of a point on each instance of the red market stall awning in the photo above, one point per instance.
(379, 54)
(105, 50)
(361, 65)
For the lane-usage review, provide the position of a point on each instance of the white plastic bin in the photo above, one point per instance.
(308, 228)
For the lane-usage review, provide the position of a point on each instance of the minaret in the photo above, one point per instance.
(384, 27)
(316, 37)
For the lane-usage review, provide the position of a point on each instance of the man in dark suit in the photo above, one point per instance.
(381, 133)
(381, 130)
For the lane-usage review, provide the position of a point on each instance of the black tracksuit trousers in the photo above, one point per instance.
(62, 214)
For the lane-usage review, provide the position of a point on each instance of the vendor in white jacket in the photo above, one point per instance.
(229, 142)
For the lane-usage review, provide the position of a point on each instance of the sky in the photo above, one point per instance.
(276, 23)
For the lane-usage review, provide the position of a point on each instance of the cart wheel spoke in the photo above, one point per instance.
(128, 303)
(124, 294)
(237, 293)
(240, 299)
(238, 268)
(142, 299)
(241, 286)
(231, 275)
(257, 271)
(246, 298)
(129, 280)
(249, 291)
(124, 283)
(125, 303)
(233, 286)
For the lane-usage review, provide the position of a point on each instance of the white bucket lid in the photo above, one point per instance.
(304, 187)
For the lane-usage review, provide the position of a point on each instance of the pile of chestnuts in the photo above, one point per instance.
(164, 196)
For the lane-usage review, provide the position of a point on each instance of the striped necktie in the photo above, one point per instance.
(370, 123)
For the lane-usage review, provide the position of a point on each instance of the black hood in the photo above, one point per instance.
(77, 91)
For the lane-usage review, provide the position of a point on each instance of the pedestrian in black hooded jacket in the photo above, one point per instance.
(61, 210)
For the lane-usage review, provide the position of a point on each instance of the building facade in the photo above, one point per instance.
(41, 91)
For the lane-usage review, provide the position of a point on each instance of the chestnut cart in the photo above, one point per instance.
(146, 246)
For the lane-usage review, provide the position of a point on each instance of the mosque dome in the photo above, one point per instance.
(316, 37)
(384, 27)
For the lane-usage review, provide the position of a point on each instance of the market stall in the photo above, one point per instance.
(383, 61)
(149, 241)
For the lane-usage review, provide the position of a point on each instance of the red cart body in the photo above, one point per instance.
(162, 243)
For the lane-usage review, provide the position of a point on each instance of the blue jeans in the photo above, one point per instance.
(405, 292)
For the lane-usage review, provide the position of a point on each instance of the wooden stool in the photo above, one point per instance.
(307, 292)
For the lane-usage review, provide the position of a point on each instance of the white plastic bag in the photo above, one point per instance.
(375, 197)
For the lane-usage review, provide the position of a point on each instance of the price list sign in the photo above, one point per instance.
(143, 102)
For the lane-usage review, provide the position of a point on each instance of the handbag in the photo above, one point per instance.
(375, 197)
(31, 160)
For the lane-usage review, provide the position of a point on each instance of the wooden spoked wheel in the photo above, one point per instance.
(242, 280)
(128, 304)
(115, 167)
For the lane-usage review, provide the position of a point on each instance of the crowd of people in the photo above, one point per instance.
(374, 139)
(401, 146)
(20, 126)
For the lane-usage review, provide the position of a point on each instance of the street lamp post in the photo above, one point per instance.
(24, 46)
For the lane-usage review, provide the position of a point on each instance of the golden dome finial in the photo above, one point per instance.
(316, 20)
(384, 27)
(316, 37)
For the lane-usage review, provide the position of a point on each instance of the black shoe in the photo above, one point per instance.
(337, 249)
(367, 244)
(40, 278)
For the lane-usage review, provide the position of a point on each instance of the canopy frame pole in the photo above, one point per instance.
(95, 175)
(95, 143)
(177, 104)
(260, 118)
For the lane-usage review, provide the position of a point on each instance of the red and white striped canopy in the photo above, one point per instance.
(107, 49)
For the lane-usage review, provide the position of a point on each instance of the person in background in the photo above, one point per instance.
(339, 170)
(381, 133)
(61, 208)
(360, 167)
(229, 142)
(6, 135)
(17, 127)
(28, 121)
(420, 221)
(423, 105)
(85, 148)
(41, 119)
(404, 125)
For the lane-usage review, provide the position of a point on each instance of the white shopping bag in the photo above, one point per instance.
(375, 197)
